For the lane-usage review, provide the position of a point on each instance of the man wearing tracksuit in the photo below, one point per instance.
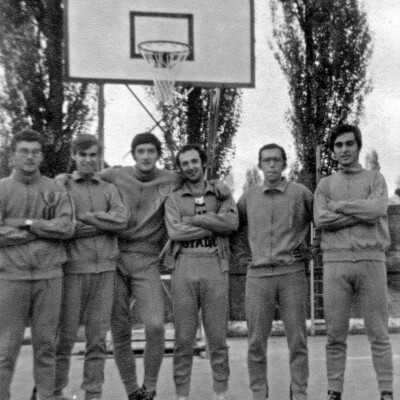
(35, 216)
(277, 216)
(143, 188)
(199, 225)
(351, 211)
(88, 283)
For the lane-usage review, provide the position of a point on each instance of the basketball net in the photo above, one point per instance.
(165, 59)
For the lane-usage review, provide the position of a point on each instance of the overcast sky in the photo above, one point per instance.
(263, 116)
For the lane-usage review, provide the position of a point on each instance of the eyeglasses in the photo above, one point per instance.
(25, 152)
(269, 160)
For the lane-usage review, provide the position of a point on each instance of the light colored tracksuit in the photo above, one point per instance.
(200, 279)
(88, 283)
(138, 275)
(31, 273)
(351, 211)
(278, 221)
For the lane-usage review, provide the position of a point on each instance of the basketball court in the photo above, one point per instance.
(360, 382)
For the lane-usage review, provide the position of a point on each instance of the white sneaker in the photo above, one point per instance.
(221, 396)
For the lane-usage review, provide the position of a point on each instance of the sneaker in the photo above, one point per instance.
(148, 394)
(136, 395)
(387, 395)
(332, 395)
(221, 396)
(291, 397)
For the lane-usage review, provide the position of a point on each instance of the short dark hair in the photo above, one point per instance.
(84, 142)
(146, 138)
(272, 146)
(340, 130)
(189, 147)
(26, 135)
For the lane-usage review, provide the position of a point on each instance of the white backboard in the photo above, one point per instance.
(102, 39)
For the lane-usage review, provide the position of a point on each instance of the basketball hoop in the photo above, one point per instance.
(165, 57)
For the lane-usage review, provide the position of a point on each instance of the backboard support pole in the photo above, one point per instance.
(100, 134)
(157, 123)
(215, 101)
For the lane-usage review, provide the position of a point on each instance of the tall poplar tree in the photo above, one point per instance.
(323, 48)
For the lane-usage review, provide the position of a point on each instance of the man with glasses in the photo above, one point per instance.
(35, 216)
(277, 216)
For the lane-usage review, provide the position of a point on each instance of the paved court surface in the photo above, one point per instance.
(360, 378)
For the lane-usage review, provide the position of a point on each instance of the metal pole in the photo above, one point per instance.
(312, 263)
(312, 284)
(215, 101)
(101, 124)
(145, 108)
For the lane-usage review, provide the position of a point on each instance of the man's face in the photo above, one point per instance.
(346, 150)
(87, 161)
(191, 166)
(27, 157)
(272, 165)
(146, 157)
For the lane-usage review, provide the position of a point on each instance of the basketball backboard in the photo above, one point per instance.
(102, 38)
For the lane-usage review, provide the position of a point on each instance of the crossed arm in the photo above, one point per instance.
(336, 214)
(14, 232)
(113, 220)
(182, 228)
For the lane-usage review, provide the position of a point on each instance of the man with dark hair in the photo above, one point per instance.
(35, 216)
(340, 130)
(277, 216)
(144, 188)
(351, 212)
(198, 224)
(88, 283)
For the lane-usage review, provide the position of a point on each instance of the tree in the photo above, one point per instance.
(371, 161)
(31, 54)
(188, 123)
(253, 178)
(323, 48)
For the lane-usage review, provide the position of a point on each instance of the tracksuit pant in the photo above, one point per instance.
(199, 284)
(138, 278)
(262, 294)
(91, 296)
(367, 280)
(40, 300)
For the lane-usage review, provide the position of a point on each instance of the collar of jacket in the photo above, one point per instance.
(186, 191)
(77, 177)
(350, 170)
(281, 187)
(25, 179)
(144, 177)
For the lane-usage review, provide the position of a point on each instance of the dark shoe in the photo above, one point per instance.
(387, 395)
(142, 394)
(291, 397)
(332, 395)
(136, 395)
(34, 391)
(148, 395)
